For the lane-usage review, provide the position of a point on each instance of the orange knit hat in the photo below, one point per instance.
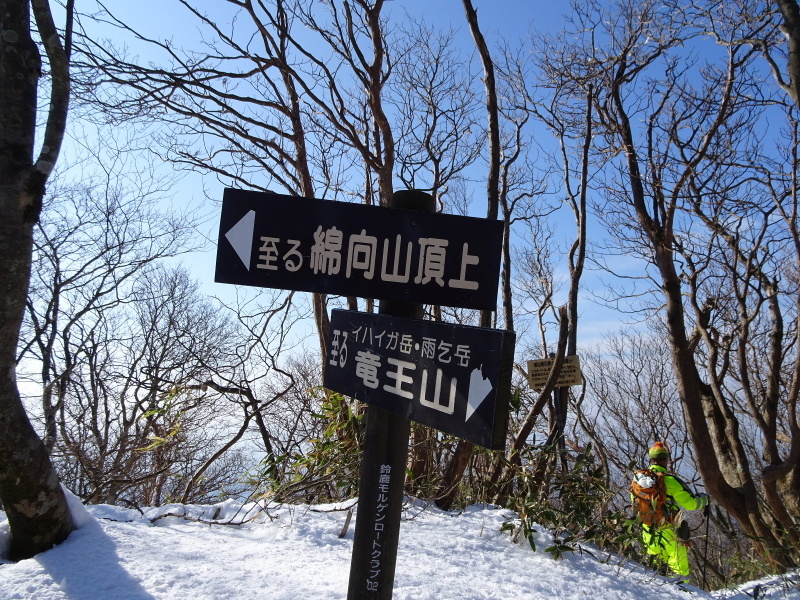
(658, 451)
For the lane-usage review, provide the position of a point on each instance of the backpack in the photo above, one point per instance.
(649, 494)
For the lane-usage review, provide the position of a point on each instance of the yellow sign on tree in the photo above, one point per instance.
(539, 371)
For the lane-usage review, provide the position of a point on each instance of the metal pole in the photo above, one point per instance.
(383, 469)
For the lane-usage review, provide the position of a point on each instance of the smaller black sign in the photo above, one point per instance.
(454, 378)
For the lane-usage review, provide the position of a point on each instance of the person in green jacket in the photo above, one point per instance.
(668, 542)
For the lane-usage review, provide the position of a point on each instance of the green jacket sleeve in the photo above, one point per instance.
(682, 496)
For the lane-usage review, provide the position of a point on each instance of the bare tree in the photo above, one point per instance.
(276, 105)
(790, 11)
(439, 135)
(686, 193)
(632, 400)
(463, 451)
(93, 239)
(239, 113)
(569, 117)
(29, 490)
(512, 187)
(132, 422)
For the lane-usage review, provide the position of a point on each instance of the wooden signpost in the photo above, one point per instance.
(453, 378)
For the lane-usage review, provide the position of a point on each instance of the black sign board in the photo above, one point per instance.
(307, 244)
(454, 378)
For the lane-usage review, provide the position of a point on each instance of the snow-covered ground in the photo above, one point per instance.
(295, 552)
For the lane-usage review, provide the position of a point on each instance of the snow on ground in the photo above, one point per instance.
(295, 552)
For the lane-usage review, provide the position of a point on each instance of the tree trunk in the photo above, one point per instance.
(420, 459)
(711, 423)
(29, 489)
(32, 498)
(458, 463)
(790, 12)
(453, 475)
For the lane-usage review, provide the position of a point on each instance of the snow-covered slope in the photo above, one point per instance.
(295, 552)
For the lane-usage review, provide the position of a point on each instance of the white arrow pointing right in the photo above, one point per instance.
(479, 388)
(240, 237)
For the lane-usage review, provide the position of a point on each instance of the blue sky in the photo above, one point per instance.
(508, 18)
(499, 19)
(511, 19)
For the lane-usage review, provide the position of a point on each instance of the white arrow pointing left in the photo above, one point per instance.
(241, 237)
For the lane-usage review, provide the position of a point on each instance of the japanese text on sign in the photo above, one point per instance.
(359, 254)
(307, 244)
(397, 372)
(379, 526)
(443, 375)
(539, 372)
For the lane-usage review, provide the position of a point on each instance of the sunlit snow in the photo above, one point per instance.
(282, 552)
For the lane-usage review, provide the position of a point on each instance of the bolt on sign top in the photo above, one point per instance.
(312, 245)
(539, 372)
